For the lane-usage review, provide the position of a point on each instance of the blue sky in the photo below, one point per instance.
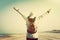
(4, 3)
(10, 20)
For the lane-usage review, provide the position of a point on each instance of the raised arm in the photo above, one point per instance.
(17, 10)
(47, 12)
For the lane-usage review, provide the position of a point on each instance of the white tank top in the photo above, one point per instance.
(29, 35)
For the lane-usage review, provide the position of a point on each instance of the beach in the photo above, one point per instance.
(42, 36)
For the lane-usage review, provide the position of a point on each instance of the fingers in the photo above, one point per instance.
(15, 9)
(49, 11)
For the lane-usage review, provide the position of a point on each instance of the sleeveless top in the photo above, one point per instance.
(31, 29)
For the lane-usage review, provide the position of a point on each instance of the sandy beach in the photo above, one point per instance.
(42, 36)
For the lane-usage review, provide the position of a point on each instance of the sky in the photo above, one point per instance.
(12, 22)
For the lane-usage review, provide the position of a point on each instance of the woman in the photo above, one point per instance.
(32, 33)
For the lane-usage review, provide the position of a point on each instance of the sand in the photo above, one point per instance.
(42, 36)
